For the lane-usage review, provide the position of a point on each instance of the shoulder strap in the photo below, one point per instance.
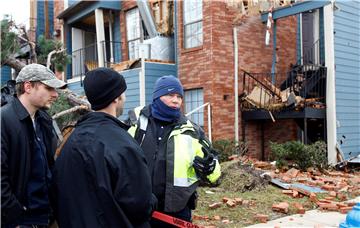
(66, 132)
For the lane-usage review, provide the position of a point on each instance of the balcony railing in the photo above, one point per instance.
(303, 86)
(86, 58)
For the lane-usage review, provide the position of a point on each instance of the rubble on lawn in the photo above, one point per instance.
(326, 189)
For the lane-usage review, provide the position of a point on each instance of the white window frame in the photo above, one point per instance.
(193, 23)
(193, 99)
(133, 32)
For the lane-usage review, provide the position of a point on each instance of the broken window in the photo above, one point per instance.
(193, 23)
(133, 32)
(194, 98)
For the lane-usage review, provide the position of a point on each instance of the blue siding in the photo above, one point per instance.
(68, 33)
(154, 71)
(132, 91)
(347, 75)
(40, 19)
(51, 17)
(76, 88)
(5, 74)
(117, 38)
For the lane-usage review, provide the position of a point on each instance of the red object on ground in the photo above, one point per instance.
(173, 221)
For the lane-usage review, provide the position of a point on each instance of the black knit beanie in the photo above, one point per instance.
(102, 86)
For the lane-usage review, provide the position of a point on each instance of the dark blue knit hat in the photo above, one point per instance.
(167, 84)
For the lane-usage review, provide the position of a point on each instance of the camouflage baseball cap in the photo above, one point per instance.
(36, 72)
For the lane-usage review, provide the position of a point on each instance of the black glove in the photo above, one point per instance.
(204, 166)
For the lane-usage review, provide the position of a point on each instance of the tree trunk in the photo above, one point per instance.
(14, 63)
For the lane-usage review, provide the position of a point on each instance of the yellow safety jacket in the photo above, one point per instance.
(182, 147)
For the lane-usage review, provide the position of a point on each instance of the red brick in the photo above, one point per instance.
(261, 218)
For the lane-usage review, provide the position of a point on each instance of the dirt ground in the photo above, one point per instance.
(251, 193)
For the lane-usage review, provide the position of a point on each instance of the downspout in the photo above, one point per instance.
(273, 66)
(236, 86)
(147, 17)
(176, 38)
(330, 82)
(111, 37)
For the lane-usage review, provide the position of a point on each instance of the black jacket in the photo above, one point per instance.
(17, 145)
(101, 177)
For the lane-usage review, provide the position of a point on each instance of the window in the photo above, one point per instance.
(193, 25)
(133, 32)
(193, 99)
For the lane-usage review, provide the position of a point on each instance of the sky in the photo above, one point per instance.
(18, 9)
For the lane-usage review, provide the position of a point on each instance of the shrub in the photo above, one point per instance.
(301, 155)
(227, 148)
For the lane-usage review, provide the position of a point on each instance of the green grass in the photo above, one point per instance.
(240, 215)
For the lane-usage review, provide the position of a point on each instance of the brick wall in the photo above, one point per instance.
(58, 24)
(211, 67)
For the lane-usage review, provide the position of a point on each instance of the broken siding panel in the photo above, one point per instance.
(347, 60)
(154, 71)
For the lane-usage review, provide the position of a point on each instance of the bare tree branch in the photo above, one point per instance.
(48, 62)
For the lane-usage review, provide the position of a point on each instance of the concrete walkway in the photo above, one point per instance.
(313, 219)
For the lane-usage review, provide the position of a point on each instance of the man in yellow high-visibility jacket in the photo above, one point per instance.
(176, 150)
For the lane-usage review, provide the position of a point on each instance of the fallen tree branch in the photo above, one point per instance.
(70, 110)
(48, 62)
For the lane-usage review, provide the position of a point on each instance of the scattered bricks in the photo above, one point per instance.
(282, 207)
(329, 207)
(245, 202)
(261, 218)
(292, 173)
(340, 204)
(302, 180)
(287, 192)
(313, 197)
(332, 193)
(328, 187)
(325, 201)
(302, 191)
(286, 179)
(329, 198)
(345, 210)
(225, 199)
(351, 204)
(342, 196)
(217, 217)
(295, 194)
(231, 203)
(238, 201)
(299, 208)
(262, 165)
(215, 205)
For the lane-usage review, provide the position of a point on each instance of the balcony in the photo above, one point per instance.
(299, 93)
(86, 58)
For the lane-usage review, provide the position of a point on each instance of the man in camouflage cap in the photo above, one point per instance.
(28, 143)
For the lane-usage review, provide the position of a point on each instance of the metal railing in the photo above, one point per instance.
(86, 58)
(314, 55)
(304, 81)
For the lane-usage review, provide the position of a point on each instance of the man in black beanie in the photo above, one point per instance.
(101, 176)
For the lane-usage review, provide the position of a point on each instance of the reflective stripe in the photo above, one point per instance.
(184, 182)
(143, 122)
